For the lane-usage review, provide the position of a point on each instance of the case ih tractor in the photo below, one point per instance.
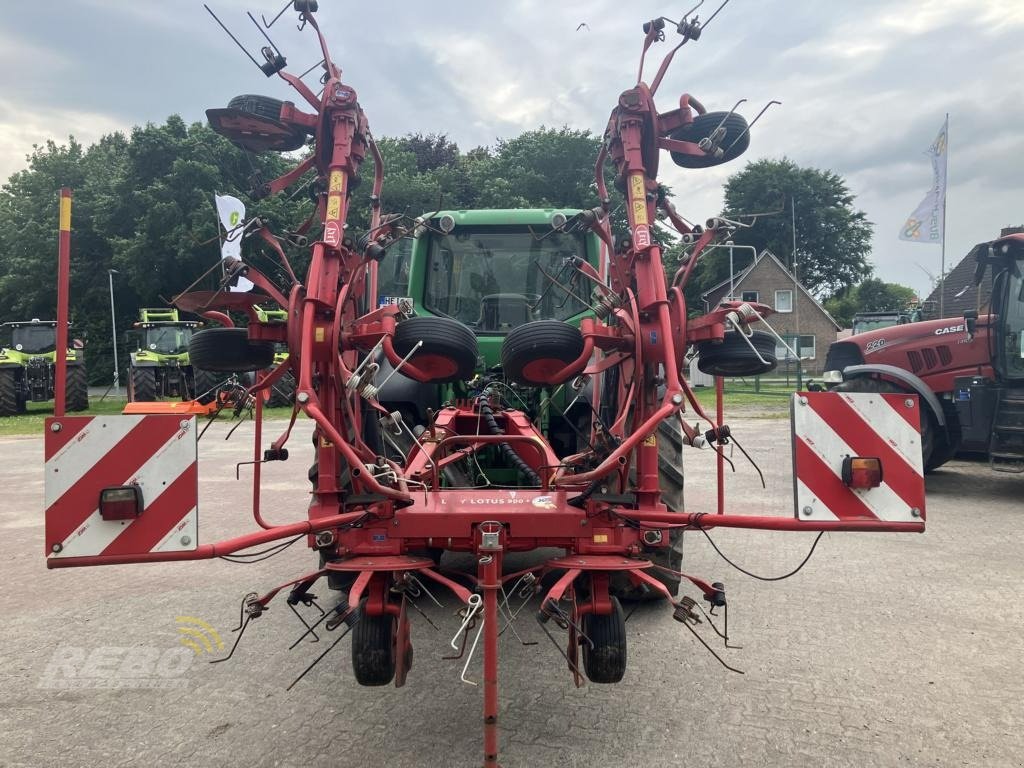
(160, 366)
(545, 363)
(27, 368)
(968, 372)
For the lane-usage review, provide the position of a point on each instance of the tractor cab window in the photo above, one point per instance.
(495, 278)
(168, 341)
(393, 272)
(1012, 322)
(34, 339)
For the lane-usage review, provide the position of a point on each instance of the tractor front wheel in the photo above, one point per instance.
(373, 649)
(8, 392)
(142, 385)
(605, 662)
(205, 385)
(76, 397)
(282, 394)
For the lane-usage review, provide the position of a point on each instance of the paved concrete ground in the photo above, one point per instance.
(885, 650)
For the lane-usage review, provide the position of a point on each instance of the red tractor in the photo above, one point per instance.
(968, 372)
(482, 472)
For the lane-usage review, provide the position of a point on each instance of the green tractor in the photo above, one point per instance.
(29, 364)
(282, 394)
(160, 366)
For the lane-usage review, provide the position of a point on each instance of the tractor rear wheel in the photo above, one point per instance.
(8, 392)
(229, 350)
(76, 397)
(448, 352)
(205, 385)
(534, 352)
(282, 394)
(733, 144)
(142, 385)
(606, 661)
(373, 648)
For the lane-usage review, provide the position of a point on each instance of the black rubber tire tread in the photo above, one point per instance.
(8, 392)
(701, 128)
(76, 394)
(268, 107)
(142, 385)
(606, 662)
(539, 340)
(373, 649)
(734, 357)
(441, 336)
(282, 393)
(204, 385)
(931, 458)
(229, 350)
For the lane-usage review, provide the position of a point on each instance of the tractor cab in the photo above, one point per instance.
(35, 338)
(1006, 257)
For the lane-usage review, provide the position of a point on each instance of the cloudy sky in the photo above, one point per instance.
(864, 85)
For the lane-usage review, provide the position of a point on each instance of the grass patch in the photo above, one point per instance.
(772, 402)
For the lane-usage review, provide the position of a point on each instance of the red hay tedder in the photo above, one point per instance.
(123, 489)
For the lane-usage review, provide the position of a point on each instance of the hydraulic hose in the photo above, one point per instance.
(487, 414)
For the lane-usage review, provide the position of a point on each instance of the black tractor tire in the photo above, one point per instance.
(734, 357)
(204, 385)
(282, 394)
(449, 349)
(76, 396)
(537, 350)
(269, 108)
(373, 649)
(606, 661)
(734, 144)
(141, 385)
(229, 350)
(8, 392)
(935, 449)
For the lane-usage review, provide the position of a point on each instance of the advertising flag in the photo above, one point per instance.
(927, 223)
(231, 212)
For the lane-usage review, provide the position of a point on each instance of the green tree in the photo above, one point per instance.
(871, 295)
(833, 237)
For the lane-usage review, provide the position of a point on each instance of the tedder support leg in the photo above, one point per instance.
(490, 546)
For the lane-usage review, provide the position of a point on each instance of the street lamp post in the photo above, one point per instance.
(113, 328)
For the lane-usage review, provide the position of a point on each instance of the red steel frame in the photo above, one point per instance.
(402, 510)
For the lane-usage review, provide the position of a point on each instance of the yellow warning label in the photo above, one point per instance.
(651, 440)
(319, 333)
(600, 538)
(637, 194)
(334, 207)
(337, 183)
(65, 214)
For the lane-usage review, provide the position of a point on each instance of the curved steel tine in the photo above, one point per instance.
(751, 123)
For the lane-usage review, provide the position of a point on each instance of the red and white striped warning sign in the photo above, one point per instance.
(830, 426)
(86, 454)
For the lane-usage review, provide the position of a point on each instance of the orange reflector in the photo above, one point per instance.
(861, 472)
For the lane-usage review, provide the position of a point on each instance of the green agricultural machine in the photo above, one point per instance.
(282, 394)
(28, 365)
(160, 366)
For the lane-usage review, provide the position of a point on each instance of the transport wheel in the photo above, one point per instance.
(449, 349)
(373, 649)
(229, 350)
(76, 398)
(282, 394)
(701, 128)
(205, 385)
(270, 109)
(606, 661)
(142, 385)
(734, 357)
(8, 393)
(535, 351)
(935, 450)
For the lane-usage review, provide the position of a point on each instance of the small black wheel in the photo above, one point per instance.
(142, 385)
(282, 394)
(734, 357)
(76, 398)
(205, 385)
(229, 350)
(8, 392)
(269, 109)
(535, 351)
(449, 349)
(373, 649)
(606, 661)
(733, 144)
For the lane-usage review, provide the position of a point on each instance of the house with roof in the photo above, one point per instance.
(958, 292)
(799, 317)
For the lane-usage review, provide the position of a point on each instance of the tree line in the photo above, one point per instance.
(143, 206)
